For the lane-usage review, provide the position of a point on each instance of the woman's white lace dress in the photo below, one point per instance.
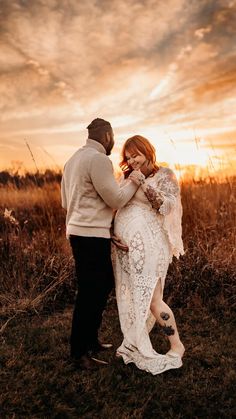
(153, 237)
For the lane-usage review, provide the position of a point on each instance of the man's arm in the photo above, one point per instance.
(63, 194)
(106, 185)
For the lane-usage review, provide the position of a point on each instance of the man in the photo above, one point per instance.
(89, 194)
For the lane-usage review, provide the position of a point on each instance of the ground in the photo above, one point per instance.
(38, 380)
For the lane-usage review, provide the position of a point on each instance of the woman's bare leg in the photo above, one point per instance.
(166, 319)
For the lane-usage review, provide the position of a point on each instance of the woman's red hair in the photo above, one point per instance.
(138, 144)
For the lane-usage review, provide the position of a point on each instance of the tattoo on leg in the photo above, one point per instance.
(168, 330)
(165, 316)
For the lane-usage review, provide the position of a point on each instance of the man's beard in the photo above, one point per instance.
(108, 151)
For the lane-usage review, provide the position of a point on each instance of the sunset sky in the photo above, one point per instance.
(165, 69)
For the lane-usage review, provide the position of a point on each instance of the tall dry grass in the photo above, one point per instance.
(210, 219)
(37, 267)
(206, 273)
(37, 378)
(35, 257)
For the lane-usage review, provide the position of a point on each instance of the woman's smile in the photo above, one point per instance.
(135, 161)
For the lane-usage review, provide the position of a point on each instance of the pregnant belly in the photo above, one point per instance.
(124, 217)
(132, 218)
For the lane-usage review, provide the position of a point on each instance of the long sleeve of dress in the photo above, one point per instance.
(163, 192)
(169, 190)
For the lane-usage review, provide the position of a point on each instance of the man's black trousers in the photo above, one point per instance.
(95, 281)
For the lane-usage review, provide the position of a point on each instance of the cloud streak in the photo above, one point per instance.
(139, 64)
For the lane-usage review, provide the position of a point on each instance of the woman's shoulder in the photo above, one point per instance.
(166, 175)
(165, 171)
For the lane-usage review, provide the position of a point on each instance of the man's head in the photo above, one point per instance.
(101, 131)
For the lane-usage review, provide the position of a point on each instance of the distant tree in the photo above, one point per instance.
(28, 179)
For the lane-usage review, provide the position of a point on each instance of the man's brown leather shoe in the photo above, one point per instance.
(89, 363)
(98, 360)
(100, 346)
(85, 363)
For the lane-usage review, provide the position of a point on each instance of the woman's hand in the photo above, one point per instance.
(137, 177)
(117, 241)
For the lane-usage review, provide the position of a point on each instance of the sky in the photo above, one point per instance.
(162, 69)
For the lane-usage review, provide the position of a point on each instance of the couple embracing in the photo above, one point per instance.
(146, 235)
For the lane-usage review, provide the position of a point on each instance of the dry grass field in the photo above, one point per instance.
(37, 290)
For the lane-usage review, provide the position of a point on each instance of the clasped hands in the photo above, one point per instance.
(137, 177)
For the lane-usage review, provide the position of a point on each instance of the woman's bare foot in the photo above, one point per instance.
(118, 355)
(179, 349)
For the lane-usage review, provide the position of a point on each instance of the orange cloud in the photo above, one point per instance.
(140, 64)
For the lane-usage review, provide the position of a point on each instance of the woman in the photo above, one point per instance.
(150, 226)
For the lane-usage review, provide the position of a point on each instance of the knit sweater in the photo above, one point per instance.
(90, 192)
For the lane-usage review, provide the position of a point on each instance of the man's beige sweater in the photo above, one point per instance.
(90, 192)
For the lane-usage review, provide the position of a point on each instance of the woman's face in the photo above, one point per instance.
(136, 160)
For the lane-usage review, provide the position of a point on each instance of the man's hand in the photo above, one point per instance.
(137, 177)
(117, 241)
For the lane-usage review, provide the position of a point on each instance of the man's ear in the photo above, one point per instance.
(108, 138)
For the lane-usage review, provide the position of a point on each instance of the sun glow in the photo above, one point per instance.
(176, 87)
(181, 150)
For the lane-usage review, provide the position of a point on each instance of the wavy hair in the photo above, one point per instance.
(138, 144)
